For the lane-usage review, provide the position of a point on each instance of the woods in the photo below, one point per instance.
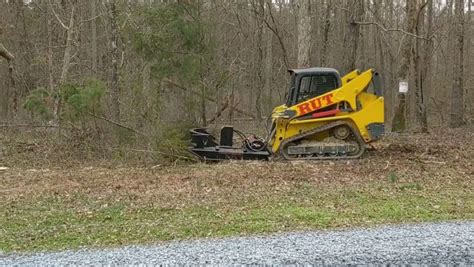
(154, 65)
(97, 99)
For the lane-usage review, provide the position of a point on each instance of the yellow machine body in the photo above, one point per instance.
(326, 116)
(363, 108)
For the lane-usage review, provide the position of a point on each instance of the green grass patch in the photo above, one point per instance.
(52, 222)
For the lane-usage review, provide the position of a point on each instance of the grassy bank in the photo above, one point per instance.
(56, 209)
(402, 180)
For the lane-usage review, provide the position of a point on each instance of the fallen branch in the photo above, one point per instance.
(5, 53)
(219, 112)
(28, 126)
(208, 98)
(116, 123)
(433, 162)
(158, 152)
(386, 166)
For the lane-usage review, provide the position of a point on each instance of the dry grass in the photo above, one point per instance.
(406, 178)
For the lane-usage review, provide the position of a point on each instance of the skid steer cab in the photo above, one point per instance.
(325, 116)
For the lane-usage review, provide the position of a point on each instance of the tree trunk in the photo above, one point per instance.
(68, 49)
(469, 94)
(4, 53)
(418, 75)
(67, 57)
(114, 39)
(391, 58)
(327, 26)
(399, 120)
(259, 82)
(304, 33)
(425, 80)
(268, 69)
(49, 30)
(380, 54)
(351, 38)
(146, 82)
(203, 106)
(457, 96)
(94, 37)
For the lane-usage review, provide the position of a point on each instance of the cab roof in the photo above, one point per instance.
(313, 70)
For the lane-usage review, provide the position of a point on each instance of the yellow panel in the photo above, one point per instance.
(352, 92)
(349, 76)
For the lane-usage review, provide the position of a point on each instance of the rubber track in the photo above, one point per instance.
(325, 127)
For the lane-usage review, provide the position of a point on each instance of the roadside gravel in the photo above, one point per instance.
(434, 243)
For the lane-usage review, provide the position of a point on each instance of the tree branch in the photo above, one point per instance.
(179, 86)
(277, 34)
(115, 123)
(28, 126)
(394, 30)
(57, 16)
(219, 112)
(5, 53)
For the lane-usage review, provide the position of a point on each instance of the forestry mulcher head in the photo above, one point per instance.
(206, 148)
(324, 117)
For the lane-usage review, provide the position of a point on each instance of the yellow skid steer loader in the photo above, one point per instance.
(324, 117)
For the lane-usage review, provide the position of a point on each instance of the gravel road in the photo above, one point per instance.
(445, 243)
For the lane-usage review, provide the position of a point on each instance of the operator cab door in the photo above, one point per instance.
(305, 86)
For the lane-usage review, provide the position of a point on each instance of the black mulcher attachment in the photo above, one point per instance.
(204, 146)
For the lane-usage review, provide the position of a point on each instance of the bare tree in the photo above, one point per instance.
(399, 120)
(70, 28)
(468, 68)
(94, 36)
(114, 51)
(419, 78)
(8, 56)
(268, 64)
(457, 95)
(304, 33)
(250, 45)
(351, 38)
(423, 66)
(259, 83)
(49, 53)
(326, 28)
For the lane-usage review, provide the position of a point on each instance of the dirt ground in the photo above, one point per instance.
(54, 197)
(34, 167)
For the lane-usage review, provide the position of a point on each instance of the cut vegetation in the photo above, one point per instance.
(404, 179)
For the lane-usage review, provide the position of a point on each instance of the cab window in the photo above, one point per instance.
(315, 85)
